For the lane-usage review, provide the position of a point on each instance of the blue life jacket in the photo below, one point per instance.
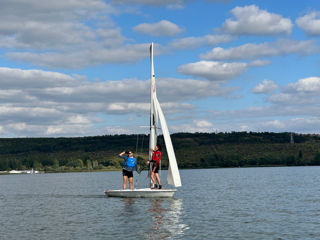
(130, 162)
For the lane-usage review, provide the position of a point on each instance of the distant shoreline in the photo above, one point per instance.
(120, 169)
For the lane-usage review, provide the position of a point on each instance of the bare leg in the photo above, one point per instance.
(152, 178)
(131, 183)
(158, 178)
(125, 182)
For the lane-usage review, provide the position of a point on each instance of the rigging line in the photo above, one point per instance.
(137, 145)
(142, 143)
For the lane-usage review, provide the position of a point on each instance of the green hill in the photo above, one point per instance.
(193, 150)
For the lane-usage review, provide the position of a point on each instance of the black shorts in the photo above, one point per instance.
(155, 170)
(127, 173)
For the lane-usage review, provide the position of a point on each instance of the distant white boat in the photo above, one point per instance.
(173, 177)
(24, 171)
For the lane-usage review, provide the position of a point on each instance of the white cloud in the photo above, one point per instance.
(217, 71)
(198, 125)
(275, 124)
(258, 63)
(296, 108)
(221, 1)
(57, 87)
(38, 103)
(175, 4)
(250, 50)
(48, 25)
(250, 20)
(195, 42)
(162, 28)
(64, 34)
(202, 123)
(266, 86)
(274, 118)
(310, 23)
(84, 57)
(13, 78)
(300, 125)
(301, 94)
(306, 85)
(111, 37)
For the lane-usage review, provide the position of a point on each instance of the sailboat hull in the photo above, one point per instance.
(141, 193)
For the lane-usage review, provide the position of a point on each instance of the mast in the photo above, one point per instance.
(153, 115)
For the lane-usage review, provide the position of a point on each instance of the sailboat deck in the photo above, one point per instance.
(141, 193)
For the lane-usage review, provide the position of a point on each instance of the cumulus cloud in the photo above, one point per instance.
(156, 3)
(300, 125)
(64, 34)
(310, 23)
(161, 28)
(198, 125)
(250, 50)
(43, 25)
(13, 78)
(83, 58)
(251, 20)
(266, 86)
(51, 103)
(306, 85)
(296, 108)
(195, 42)
(174, 4)
(217, 71)
(274, 118)
(302, 94)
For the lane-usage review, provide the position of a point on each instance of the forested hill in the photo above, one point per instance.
(193, 150)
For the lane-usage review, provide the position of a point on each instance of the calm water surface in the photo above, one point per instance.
(244, 203)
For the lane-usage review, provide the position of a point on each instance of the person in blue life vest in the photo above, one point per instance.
(130, 164)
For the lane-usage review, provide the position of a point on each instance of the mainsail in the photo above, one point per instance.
(173, 177)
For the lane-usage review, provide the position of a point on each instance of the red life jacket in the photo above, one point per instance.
(156, 156)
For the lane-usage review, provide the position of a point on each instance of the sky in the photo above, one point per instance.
(81, 67)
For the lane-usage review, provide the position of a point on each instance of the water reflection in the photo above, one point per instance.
(166, 222)
(3, 200)
(129, 206)
(151, 218)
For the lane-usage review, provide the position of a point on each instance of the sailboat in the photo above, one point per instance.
(173, 176)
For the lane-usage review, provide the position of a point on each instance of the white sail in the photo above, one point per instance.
(173, 176)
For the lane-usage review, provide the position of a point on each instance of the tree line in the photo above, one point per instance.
(193, 150)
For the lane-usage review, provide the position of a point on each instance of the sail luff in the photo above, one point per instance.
(173, 176)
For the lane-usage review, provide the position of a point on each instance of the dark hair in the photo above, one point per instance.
(127, 152)
(159, 147)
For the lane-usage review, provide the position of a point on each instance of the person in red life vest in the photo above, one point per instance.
(156, 156)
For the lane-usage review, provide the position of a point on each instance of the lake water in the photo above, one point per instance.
(238, 203)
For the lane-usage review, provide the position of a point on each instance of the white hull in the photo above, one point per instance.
(141, 193)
